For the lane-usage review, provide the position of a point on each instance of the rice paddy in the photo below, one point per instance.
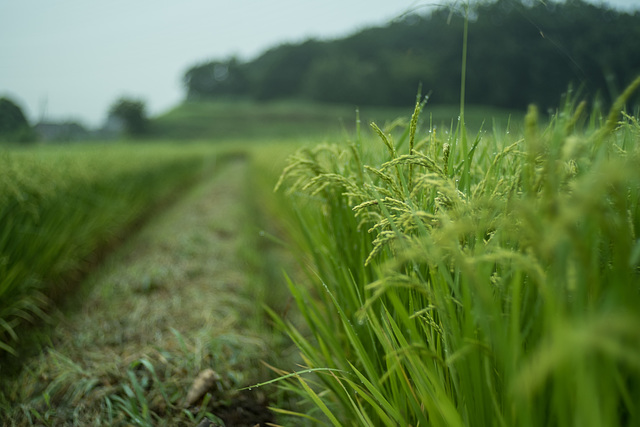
(413, 271)
(453, 282)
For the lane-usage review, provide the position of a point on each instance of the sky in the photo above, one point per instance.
(70, 60)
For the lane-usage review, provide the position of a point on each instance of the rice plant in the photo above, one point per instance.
(489, 283)
(57, 207)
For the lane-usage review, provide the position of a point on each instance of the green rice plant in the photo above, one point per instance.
(132, 342)
(57, 207)
(489, 284)
(133, 401)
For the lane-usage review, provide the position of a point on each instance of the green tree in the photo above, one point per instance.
(216, 79)
(14, 126)
(132, 114)
(347, 79)
(280, 72)
(519, 52)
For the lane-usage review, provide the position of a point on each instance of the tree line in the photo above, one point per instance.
(126, 117)
(519, 52)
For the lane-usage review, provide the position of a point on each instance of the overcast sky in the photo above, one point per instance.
(71, 59)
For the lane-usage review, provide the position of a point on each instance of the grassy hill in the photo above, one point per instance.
(224, 120)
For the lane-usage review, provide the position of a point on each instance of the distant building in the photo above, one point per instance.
(61, 132)
(113, 128)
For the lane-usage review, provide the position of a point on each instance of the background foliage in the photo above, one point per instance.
(520, 52)
(13, 124)
(132, 114)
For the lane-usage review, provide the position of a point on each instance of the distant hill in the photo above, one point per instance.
(248, 120)
(519, 52)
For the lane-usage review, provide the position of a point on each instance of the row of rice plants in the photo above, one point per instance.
(489, 282)
(58, 205)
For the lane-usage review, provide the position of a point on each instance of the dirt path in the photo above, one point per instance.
(175, 301)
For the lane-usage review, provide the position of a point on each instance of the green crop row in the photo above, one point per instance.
(485, 282)
(59, 205)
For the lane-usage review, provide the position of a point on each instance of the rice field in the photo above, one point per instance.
(59, 206)
(428, 272)
(454, 280)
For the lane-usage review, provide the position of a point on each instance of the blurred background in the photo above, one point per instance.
(71, 67)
